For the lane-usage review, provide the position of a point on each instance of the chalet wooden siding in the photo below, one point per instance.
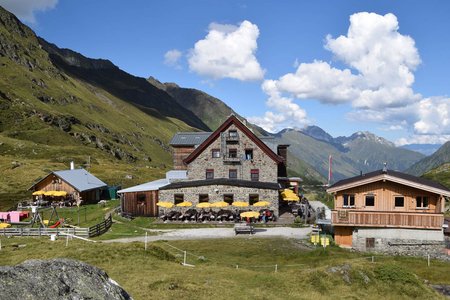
(385, 193)
(179, 154)
(140, 203)
(343, 236)
(386, 219)
(54, 183)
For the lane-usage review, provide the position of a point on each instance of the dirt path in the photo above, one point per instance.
(215, 233)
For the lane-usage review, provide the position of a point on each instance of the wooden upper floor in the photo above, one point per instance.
(388, 199)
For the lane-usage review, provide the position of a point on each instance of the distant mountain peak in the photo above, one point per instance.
(318, 133)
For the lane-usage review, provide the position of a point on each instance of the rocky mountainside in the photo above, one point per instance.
(50, 116)
(360, 152)
(58, 279)
(212, 111)
(438, 158)
(135, 90)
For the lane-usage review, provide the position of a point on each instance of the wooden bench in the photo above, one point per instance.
(243, 228)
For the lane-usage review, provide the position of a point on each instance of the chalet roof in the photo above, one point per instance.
(148, 186)
(390, 175)
(80, 179)
(189, 138)
(223, 181)
(216, 134)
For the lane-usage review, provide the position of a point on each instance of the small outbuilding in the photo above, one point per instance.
(79, 184)
(140, 200)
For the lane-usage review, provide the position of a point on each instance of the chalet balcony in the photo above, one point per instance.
(346, 217)
(232, 138)
(231, 158)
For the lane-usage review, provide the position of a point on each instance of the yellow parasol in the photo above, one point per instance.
(184, 204)
(219, 204)
(165, 204)
(250, 214)
(203, 205)
(4, 225)
(292, 198)
(240, 204)
(38, 193)
(59, 193)
(261, 203)
(49, 193)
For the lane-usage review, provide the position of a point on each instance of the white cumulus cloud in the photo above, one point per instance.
(377, 79)
(433, 116)
(25, 9)
(227, 51)
(380, 69)
(172, 58)
(288, 113)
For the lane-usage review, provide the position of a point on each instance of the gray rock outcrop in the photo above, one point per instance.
(57, 279)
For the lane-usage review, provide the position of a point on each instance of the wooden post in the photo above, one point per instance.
(276, 268)
(145, 241)
(237, 266)
(184, 260)
(373, 259)
(428, 259)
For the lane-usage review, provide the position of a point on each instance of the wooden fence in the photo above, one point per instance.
(101, 227)
(92, 231)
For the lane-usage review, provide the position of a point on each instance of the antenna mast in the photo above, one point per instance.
(330, 171)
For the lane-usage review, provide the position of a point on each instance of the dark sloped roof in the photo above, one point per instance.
(189, 138)
(216, 134)
(223, 181)
(397, 174)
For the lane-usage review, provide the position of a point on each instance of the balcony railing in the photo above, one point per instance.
(346, 217)
(232, 137)
(231, 158)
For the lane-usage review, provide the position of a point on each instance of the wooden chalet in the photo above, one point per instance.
(79, 184)
(384, 208)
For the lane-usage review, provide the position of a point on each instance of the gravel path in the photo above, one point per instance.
(216, 233)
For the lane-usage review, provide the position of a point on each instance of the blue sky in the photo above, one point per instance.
(345, 66)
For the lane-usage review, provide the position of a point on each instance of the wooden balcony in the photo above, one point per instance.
(347, 217)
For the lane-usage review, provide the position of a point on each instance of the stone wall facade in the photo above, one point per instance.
(399, 241)
(268, 168)
(216, 193)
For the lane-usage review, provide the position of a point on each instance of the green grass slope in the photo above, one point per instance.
(302, 273)
(48, 118)
(440, 174)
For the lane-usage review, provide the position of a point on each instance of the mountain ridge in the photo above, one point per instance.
(438, 158)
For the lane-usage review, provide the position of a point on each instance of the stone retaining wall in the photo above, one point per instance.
(396, 241)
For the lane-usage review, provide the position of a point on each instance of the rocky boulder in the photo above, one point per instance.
(57, 279)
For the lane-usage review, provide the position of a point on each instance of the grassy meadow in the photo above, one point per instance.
(303, 271)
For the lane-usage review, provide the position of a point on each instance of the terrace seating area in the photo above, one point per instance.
(220, 216)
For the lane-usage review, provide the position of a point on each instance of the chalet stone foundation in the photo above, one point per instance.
(413, 242)
(216, 193)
